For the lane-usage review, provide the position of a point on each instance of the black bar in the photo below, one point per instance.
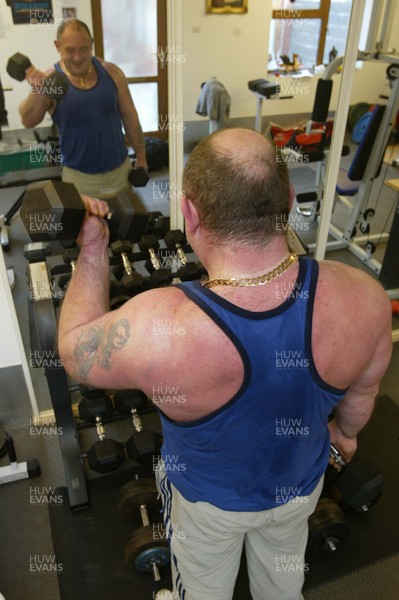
(389, 274)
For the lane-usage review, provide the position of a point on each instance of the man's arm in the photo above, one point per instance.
(128, 114)
(354, 410)
(96, 346)
(35, 106)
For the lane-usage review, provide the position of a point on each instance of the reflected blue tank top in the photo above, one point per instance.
(90, 126)
(270, 442)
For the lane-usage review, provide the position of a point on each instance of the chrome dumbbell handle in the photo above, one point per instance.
(336, 456)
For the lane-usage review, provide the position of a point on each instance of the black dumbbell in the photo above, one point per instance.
(91, 393)
(159, 276)
(130, 279)
(158, 224)
(357, 486)
(126, 400)
(86, 391)
(147, 550)
(328, 528)
(161, 227)
(107, 454)
(118, 295)
(53, 210)
(188, 271)
(139, 177)
(54, 85)
(95, 404)
(144, 444)
(70, 257)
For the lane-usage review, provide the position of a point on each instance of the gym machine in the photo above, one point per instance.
(15, 470)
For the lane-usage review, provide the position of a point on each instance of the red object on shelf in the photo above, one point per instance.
(395, 307)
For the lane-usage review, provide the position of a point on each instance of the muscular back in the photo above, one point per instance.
(350, 339)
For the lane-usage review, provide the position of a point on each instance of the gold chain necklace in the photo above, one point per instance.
(253, 281)
(80, 78)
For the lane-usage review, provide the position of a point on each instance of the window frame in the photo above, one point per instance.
(321, 13)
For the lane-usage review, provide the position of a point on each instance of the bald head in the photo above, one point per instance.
(74, 25)
(239, 185)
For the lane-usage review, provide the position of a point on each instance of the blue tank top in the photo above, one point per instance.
(270, 442)
(90, 126)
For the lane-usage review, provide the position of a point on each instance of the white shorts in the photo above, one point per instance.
(99, 185)
(206, 544)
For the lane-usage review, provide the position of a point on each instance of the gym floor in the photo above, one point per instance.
(26, 533)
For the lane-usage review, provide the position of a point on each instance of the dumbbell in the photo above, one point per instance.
(126, 400)
(159, 276)
(144, 444)
(174, 240)
(54, 85)
(87, 391)
(139, 177)
(118, 295)
(70, 257)
(130, 279)
(357, 486)
(158, 224)
(107, 454)
(328, 528)
(142, 551)
(53, 210)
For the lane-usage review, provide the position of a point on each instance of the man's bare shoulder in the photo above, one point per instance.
(343, 284)
(352, 314)
(112, 69)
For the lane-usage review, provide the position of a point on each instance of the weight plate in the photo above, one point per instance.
(360, 127)
(355, 112)
(134, 494)
(328, 528)
(143, 550)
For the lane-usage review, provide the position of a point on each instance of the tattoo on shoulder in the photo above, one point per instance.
(96, 345)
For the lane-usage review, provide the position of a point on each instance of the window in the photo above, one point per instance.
(308, 28)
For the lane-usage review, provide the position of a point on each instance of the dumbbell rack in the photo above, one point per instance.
(163, 253)
(43, 332)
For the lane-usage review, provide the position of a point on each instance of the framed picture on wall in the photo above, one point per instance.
(69, 12)
(226, 6)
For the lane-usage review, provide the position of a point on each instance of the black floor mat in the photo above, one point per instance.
(89, 543)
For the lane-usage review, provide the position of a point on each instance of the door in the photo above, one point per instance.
(132, 34)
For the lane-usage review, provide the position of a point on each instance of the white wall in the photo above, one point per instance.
(36, 42)
(233, 48)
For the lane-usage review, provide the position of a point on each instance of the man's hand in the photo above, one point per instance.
(141, 163)
(37, 79)
(94, 229)
(345, 446)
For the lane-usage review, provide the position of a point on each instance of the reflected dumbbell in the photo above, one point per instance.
(139, 177)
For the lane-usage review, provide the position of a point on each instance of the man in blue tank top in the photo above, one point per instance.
(90, 115)
(245, 369)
